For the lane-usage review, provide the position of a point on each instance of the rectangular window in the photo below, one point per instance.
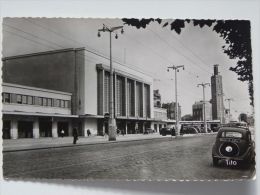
(57, 103)
(40, 101)
(62, 103)
(18, 99)
(44, 101)
(6, 97)
(66, 104)
(49, 102)
(24, 99)
(30, 100)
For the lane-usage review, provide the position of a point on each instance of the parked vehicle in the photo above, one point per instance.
(148, 131)
(167, 131)
(188, 130)
(233, 146)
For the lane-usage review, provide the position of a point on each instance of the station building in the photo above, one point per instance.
(61, 89)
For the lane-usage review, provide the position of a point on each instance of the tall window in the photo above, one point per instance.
(106, 92)
(120, 92)
(130, 98)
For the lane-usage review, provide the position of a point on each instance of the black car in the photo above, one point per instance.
(188, 130)
(167, 131)
(233, 146)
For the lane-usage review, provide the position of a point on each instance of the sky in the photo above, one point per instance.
(150, 50)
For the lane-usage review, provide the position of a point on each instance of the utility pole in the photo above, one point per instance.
(204, 105)
(176, 69)
(112, 120)
(222, 110)
(229, 111)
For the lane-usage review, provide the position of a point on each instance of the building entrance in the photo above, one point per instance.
(6, 129)
(63, 126)
(25, 129)
(45, 127)
(130, 127)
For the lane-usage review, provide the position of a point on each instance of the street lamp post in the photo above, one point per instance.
(204, 105)
(176, 69)
(222, 110)
(112, 121)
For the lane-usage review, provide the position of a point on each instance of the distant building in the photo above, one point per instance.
(171, 110)
(160, 118)
(157, 98)
(217, 96)
(197, 111)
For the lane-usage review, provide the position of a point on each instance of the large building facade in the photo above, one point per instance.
(217, 96)
(80, 80)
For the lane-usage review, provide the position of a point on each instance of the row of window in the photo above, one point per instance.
(33, 100)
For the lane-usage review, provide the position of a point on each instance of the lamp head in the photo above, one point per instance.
(98, 34)
(122, 31)
(116, 36)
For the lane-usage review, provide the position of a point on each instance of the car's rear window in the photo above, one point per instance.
(231, 134)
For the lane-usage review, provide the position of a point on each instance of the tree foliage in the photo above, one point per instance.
(236, 34)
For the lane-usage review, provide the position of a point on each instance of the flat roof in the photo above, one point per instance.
(39, 114)
(35, 88)
(43, 53)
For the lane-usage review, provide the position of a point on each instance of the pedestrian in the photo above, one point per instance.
(62, 133)
(118, 131)
(88, 132)
(75, 135)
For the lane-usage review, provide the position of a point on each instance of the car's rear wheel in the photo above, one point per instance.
(215, 161)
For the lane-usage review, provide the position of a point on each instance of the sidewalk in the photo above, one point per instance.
(10, 145)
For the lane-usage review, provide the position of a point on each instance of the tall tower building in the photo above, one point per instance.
(217, 96)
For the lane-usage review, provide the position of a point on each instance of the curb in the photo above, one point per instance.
(102, 142)
(79, 145)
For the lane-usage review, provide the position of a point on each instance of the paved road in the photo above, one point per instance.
(185, 158)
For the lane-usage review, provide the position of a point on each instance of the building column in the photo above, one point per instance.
(104, 128)
(85, 134)
(115, 95)
(54, 128)
(36, 130)
(126, 128)
(135, 110)
(14, 129)
(126, 99)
